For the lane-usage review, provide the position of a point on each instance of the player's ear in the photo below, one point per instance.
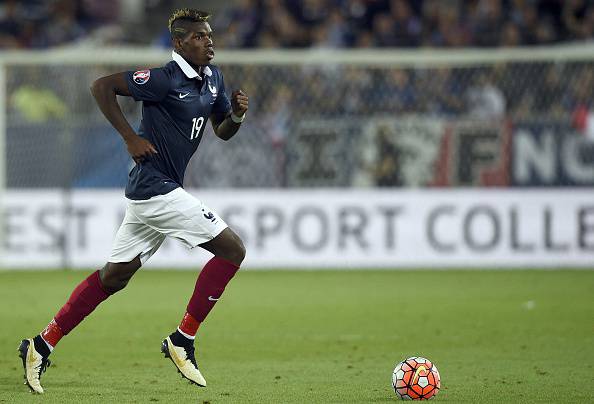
(176, 42)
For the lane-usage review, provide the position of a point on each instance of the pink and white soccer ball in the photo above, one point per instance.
(416, 378)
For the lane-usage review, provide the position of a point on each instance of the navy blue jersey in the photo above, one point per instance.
(176, 103)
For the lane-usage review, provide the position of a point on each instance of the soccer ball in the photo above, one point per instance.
(416, 378)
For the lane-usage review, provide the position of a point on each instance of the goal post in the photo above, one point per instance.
(2, 156)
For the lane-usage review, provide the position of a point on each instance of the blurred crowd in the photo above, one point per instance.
(405, 23)
(304, 23)
(42, 24)
(555, 90)
(290, 97)
(537, 90)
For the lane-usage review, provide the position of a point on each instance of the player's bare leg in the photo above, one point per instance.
(229, 253)
(101, 284)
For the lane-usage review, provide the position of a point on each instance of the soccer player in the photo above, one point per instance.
(178, 99)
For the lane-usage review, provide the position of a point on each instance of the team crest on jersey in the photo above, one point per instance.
(141, 76)
(213, 89)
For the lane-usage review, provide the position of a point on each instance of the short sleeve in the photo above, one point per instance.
(148, 85)
(222, 105)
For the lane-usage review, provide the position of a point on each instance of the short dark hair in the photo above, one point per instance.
(183, 15)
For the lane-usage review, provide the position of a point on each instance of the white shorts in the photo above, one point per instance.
(176, 214)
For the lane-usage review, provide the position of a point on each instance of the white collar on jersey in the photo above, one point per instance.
(189, 70)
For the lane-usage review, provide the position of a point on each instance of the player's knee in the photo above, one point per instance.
(236, 252)
(227, 245)
(115, 277)
(112, 283)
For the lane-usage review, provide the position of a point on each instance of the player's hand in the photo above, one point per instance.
(140, 148)
(239, 102)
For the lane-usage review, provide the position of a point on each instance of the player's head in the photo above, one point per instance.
(191, 35)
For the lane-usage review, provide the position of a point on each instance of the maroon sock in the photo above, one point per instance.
(87, 295)
(211, 282)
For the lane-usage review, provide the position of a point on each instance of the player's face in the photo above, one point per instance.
(197, 46)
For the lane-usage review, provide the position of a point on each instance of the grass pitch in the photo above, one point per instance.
(314, 337)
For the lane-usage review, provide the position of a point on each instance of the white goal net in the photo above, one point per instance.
(324, 118)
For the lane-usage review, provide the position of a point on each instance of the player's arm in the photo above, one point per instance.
(104, 90)
(227, 126)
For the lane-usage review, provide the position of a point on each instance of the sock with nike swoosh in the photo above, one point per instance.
(210, 285)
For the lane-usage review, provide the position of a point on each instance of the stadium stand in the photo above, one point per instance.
(307, 23)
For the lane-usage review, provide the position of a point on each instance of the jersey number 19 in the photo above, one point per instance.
(196, 126)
